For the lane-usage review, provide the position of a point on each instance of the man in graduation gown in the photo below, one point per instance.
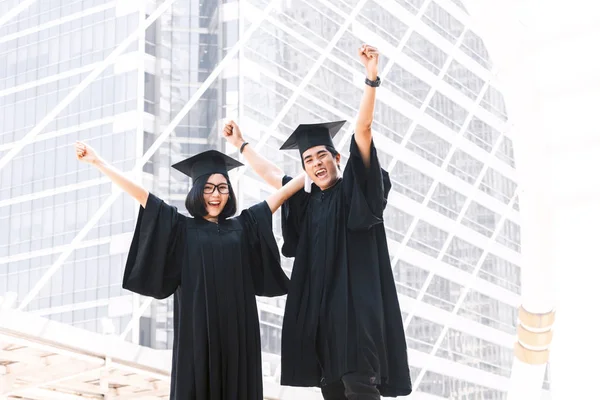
(342, 328)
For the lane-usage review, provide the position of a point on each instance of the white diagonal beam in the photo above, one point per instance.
(232, 53)
(466, 289)
(28, 138)
(67, 252)
(23, 4)
(135, 317)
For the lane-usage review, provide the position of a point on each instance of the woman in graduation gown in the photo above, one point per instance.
(214, 264)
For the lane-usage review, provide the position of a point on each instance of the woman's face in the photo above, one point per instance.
(216, 194)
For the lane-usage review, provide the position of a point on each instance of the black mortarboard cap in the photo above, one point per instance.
(208, 162)
(310, 135)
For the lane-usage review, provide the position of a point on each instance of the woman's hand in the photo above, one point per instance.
(86, 153)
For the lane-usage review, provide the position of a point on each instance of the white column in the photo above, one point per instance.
(547, 58)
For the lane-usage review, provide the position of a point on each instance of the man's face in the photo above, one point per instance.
(321, 166)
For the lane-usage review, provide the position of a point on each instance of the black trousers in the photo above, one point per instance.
(352, 386)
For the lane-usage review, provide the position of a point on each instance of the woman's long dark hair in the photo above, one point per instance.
(194, 202)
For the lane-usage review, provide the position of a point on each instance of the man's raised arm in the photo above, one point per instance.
(369, 56)
(268, 171)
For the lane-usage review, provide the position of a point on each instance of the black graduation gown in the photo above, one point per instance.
(215, 270)
(342, 313)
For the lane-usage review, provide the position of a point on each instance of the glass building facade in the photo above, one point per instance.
(441, 130)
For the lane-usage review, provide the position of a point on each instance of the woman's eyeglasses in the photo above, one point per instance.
(223, 188)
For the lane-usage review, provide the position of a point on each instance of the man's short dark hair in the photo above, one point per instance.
(194, 202)
(330, 149)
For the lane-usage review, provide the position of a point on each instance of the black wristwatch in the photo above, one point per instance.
(374, 83)
(242, 147)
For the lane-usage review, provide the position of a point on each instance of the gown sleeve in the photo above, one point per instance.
(292, 217)
(366, 189)
(265, 262)
(156, 254)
